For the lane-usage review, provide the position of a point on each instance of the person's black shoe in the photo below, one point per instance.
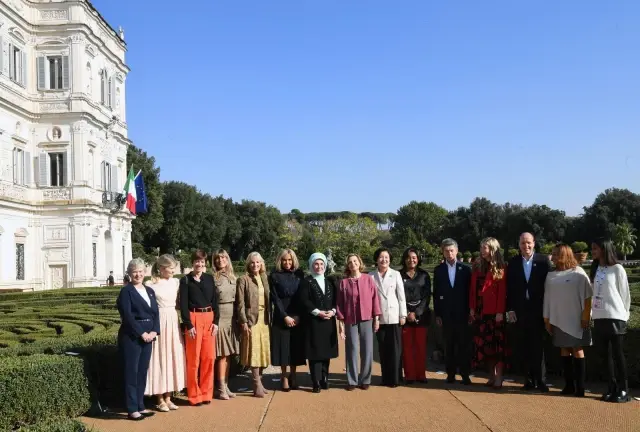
(466, 380)
(147, 413)
(410, 382)
(542, 388)
(316, 389)
(324, 384)
(621, 397)
(451, 379)
(529, 386)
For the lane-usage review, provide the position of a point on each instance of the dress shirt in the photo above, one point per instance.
(452, 272)
(527, 264)
(145, 296)
(198, 294)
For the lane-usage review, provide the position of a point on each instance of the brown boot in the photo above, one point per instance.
(221, 390)
(229, 392)
(258, 390)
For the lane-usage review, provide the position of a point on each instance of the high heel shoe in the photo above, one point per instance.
(284, 384)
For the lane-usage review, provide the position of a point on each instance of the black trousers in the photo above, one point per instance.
(319, 370)
(457, 348)
(531, 337)
(136, 355)
(610, 347)
(390, 349)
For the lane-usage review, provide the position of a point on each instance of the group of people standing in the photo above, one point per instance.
(287, 319)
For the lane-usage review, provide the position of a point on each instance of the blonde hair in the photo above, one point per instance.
(228, 270)
(496, 263)
(163, 261)
(294, 258)
(250, 257)
(361, 269)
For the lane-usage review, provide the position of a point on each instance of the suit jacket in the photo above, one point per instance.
(247, 302)
(391, 293)
(451, 303)
(134, 310)
(517, 285)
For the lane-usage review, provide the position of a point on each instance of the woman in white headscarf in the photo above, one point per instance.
(317, 302)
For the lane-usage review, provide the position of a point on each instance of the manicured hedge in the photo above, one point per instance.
(38, 387)
(61, 425)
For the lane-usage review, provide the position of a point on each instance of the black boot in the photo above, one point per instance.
(610, 395)
(570, 385)
(622, 395)
(580, 372)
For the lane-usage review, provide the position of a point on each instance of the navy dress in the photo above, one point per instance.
(137, 318)
(287, 343)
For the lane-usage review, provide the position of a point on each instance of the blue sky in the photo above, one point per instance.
(364, 105)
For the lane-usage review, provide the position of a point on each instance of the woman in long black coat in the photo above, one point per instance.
(317, 300)
(287, 334)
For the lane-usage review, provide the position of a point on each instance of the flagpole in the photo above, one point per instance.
(138, 173)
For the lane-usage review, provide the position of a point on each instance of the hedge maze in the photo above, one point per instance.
(54, 321)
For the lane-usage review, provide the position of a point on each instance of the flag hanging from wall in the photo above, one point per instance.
(130, 192)
(141, 195)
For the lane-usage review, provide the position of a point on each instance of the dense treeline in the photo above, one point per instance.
(181, 218)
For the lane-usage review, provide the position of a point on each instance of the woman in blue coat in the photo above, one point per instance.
(140, 326)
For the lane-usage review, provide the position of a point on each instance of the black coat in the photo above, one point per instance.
(321, 340)
(517, 286)
(451, 303)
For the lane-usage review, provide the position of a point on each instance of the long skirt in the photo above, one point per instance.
(167, 367)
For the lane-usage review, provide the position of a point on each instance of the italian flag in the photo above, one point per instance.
(130, 192)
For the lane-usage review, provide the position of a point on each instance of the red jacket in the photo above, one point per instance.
(494, 293)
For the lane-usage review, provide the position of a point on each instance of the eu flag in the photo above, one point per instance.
(141, 203)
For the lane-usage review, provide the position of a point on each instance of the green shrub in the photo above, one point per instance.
(511, 253)
(579, 247)
(55, 425)
(38, 387)
(466, 255)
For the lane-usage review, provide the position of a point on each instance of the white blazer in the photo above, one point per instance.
(391, 293)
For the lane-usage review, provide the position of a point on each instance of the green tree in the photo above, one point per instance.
(611, 207)
(346, 235)
(146, 225)
(625, 239)
(261, 228)
(418, 223)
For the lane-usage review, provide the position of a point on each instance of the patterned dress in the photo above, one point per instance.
(490, 337)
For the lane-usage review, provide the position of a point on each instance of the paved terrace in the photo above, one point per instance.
(434, 407)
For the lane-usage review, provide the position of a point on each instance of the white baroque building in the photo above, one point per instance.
(63, 146)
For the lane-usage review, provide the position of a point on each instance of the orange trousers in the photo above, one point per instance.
(201, 354)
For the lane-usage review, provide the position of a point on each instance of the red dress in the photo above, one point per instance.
(487, 297)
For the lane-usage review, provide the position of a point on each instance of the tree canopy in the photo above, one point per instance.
(181, 218)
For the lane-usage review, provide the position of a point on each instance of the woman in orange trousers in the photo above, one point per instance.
(199, 310)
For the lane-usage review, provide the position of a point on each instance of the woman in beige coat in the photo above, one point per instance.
(252, 305)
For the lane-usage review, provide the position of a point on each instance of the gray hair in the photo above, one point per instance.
(135, 264)
(449, 242)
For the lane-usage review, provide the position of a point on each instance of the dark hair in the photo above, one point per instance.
(608, 255)
(406, 253)
(199, 254)
(378, 251)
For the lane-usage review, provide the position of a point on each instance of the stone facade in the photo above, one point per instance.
(63, 146)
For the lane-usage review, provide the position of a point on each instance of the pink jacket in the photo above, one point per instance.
(357, 300)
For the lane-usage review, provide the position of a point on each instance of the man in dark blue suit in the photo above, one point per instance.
(525, 298)
(451, 281)
(140, 326)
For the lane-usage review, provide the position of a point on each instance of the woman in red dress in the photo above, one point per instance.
(487, 303)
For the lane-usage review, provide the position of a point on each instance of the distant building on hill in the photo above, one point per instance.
(63, 146)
